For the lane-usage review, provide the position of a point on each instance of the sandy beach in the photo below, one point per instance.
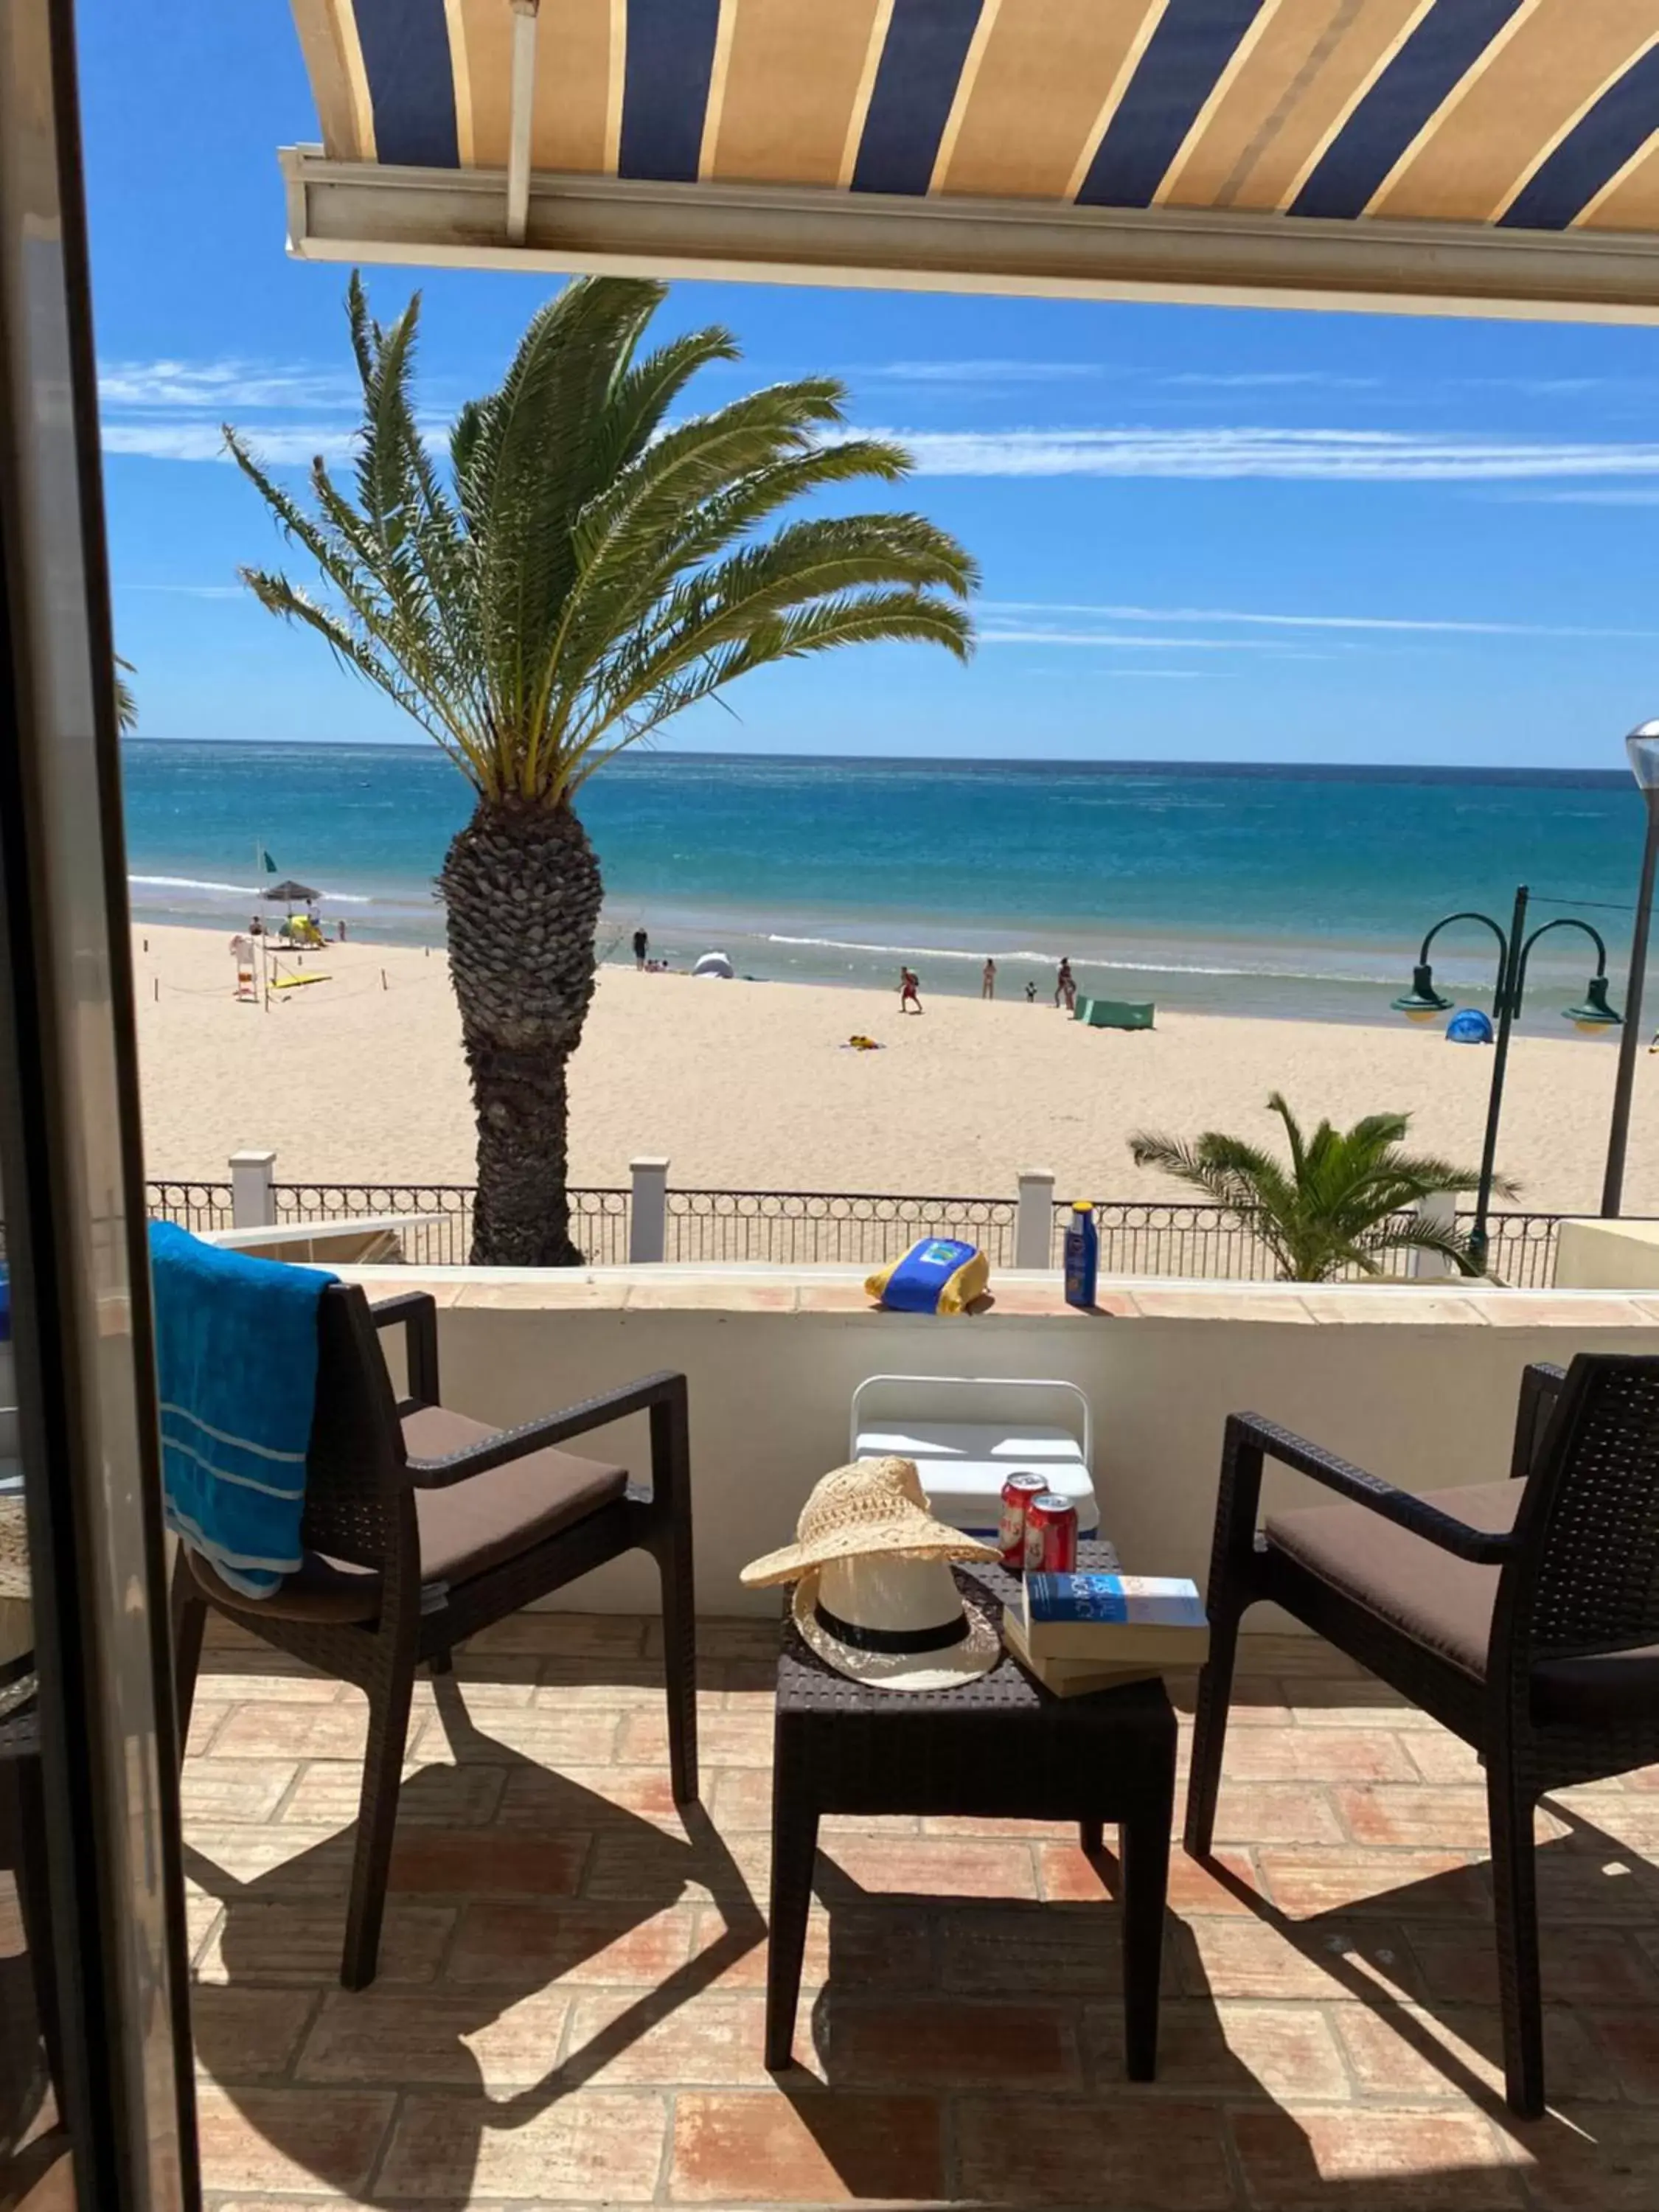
(750, 1085)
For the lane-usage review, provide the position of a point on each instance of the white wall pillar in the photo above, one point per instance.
(648, 1216)
(1034, 1223)
(1439, 1209)
(252, 1195)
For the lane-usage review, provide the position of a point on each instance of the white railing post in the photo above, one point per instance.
(1438, 1211)
(252, 1192)
(647, 1213)
(1034, 1221)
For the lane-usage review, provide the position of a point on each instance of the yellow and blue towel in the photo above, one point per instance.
(937, 1275)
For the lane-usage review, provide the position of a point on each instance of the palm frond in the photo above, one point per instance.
(126, 702)
(1347, 1200)
(590, 561)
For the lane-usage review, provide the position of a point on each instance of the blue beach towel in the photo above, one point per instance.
(236, 1364)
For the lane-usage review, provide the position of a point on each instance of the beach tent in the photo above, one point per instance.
(1462, 156)
(1115, 1013)
(713, 963)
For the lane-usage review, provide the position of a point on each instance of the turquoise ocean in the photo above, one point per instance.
(1300, 892)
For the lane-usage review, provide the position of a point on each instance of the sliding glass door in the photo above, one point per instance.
(96, 2109)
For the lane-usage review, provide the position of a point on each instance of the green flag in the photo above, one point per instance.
(270, 865)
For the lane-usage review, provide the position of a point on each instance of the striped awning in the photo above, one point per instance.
(1484, 154)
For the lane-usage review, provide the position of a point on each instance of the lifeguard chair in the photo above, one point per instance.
(968, 1434)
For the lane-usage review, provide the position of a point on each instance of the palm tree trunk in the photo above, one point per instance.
(522, 890)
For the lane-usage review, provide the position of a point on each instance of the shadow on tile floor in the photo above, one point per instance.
(1010, 2012)
(409, 2030)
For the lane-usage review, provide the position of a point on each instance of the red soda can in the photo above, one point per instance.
(1050, 1535)
(1018, 1493)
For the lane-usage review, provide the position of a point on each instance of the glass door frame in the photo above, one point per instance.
(71, 1174)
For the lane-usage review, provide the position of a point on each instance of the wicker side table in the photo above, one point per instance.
(1000, 1745)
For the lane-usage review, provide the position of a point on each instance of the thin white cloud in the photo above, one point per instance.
(980, 371)
(287, 446)
(1316, 456)
(1270, 379)
(1020, 634)
(191, 590)
(1428, 625)
(202, 386)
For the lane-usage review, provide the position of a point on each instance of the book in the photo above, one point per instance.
(1069, 1678)
(1146, 1620)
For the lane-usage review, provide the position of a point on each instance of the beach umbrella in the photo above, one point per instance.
(291, 894)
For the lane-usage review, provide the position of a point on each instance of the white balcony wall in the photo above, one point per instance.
(1417, 1384)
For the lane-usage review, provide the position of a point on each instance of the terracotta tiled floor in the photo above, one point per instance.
(569, 2011)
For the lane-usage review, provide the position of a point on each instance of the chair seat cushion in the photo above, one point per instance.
(321, 1591)
(1606, 1688)
(1446, 1604)
(1439, 1601)
(475, 1525)
(464, 1529)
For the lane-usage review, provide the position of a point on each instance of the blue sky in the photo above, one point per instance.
(1204, 533)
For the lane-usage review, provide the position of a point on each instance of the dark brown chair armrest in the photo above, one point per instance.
(1541, 1386)
(661, 1395)
(415, 1312)
(1253, 1434)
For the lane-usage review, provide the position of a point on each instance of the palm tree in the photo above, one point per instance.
(590, 563)
(126, 702)
(1341, 1205)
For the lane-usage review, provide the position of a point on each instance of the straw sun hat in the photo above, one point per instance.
(875, 1597)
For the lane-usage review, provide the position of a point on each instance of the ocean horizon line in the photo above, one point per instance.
(1351, 772)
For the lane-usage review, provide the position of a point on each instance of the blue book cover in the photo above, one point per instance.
(1156, 1601)
(1138, 1615)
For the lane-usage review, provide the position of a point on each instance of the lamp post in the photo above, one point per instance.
(1642, 747)
(1423, 1003)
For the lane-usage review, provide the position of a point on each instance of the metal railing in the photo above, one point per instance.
(789, 1228)
(599, 1218)
(193, 1206)
(1521, 1249)
(1188, 1236)
(821, 1229)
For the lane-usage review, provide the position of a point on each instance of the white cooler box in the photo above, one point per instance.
(968, 1434)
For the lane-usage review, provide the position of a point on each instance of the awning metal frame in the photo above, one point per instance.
(347, 211)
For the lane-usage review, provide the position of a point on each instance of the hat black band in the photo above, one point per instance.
(939, 1639)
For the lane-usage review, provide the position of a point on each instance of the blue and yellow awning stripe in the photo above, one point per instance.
(1531, 114)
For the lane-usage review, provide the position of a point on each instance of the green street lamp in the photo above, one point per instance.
(1423, 1003)
(1593, 1013)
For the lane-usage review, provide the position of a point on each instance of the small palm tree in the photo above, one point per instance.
(589, 564)
(1341, 1205)
(126, 702)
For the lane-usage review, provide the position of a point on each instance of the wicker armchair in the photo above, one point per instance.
(421, 1526)
(1523, 1615)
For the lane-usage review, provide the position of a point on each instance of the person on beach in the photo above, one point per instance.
(641, 944)
(1030, 994)
(910, 991)
(988, 981)
(1064, 985)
